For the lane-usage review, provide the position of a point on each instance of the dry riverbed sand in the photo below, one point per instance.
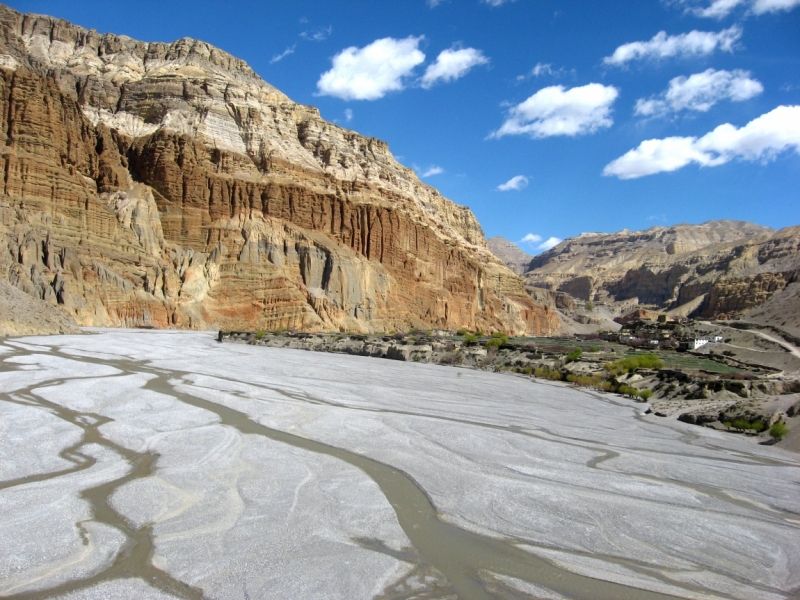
(166, 465)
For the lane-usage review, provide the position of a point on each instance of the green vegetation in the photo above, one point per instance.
(645, 394)
(470, 339)
(778, 430)
(260, 334)
(590, 306)
(630, 364)
(462, 331)
(479, 333)
(594, 349)
(550, 374)
(745, 425)
(498, 339)
(574, 355)
(585, 380)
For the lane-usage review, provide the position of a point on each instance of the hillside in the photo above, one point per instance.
(155, 184)
(719, 269)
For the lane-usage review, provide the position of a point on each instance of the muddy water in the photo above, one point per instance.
(452, 559)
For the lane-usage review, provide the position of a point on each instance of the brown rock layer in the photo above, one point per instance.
(167, 185)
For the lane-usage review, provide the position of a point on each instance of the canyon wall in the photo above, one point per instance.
(167, 185)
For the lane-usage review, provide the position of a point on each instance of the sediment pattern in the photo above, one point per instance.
(233, 471)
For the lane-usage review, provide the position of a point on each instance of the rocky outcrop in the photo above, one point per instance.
(168, 185)
(719, 269)
(511, 254)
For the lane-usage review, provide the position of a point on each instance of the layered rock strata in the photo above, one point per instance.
(720, 269)
(152, 184)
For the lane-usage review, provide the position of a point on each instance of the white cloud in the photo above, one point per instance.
(549, 243)
(452, 64)
(320, 35)
(558, 111)
(435, 3)
(700, 92)
(694, 43)
(534, 241)
(761, 139)
(433, 170)
(519, 182)
(373, 71)
(719, 9)
(531, 238)
(348, 115)
(282, 55)
(497, 2)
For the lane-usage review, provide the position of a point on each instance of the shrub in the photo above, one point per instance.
(479, 333)
(494, 343)
(462, 331)
(260, 334)
(499, 334)
(574, 355)
(584, 380)
(594, 349)
(645, 394)
(630, 364)
(589, 306)
(778, 430)
(628, 391)
(547, 374)
(470, 339)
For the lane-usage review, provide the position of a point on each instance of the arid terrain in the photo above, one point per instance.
(246, 353)
(168, 465)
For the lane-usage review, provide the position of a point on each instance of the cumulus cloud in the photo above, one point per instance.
(531, 238)
(452, 64)
(694, 43)
(371, 72)
(348, 115)
(519, 182)
(558, 111)
(719, 9)
(535, 242)
(761, 139)
(284, 54)
(549, 243)
(700, 92)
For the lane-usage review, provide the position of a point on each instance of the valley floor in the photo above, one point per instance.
(159, 464)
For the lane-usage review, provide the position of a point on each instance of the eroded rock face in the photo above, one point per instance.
(168, 185)
(719, 269)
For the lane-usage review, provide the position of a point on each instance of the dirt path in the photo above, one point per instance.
(794, 351)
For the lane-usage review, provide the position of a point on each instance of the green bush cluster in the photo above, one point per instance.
(778, 430)
(498, 339)
(470, 339)
(630, 364)
(631, 392)
(574, 355)
(585, 380)
(462, 331)
(550, 374)
(260, 334)
(745, 425)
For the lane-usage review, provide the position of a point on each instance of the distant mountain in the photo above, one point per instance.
(510, 253)
(719, 269)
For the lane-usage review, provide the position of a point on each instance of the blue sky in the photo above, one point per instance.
(620, 126)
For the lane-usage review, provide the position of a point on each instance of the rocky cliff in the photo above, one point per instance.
(512, 255)
(154, 184)
(720, 269)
